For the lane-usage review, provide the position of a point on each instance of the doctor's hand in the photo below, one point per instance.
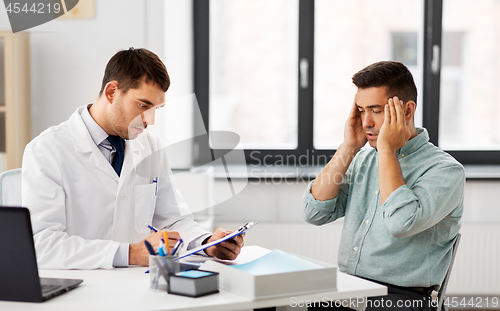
(227, 250)
(138, 253)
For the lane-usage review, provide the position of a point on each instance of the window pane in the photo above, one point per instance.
(253, 71)
(470, 74)
(349, 36)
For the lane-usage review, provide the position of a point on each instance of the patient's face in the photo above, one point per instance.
(371, 103)
(133, 111)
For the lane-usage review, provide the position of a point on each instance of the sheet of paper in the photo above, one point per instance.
(277, 262)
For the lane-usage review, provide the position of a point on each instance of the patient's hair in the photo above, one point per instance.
(393, 75)
(129, 68)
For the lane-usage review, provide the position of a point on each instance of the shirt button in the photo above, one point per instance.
(356, 249)
(402, 155)
(367, 221)
(376, 192)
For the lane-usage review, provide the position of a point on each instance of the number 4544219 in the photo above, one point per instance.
(472, 302)
(33, 8)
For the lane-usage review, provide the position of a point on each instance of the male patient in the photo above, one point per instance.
(402, 199)
(93, 182)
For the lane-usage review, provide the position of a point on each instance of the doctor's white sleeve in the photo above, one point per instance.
(44, 195)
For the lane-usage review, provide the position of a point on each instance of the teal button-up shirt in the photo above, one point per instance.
(408, 240)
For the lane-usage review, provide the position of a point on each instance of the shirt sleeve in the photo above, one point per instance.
(197, 243)
(322, 212)
(121, 256)
(434, 196)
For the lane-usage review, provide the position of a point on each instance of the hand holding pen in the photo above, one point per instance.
(139, 255)
(173, 238)
(164, 249)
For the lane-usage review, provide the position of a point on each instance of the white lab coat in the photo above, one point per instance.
(81, 210)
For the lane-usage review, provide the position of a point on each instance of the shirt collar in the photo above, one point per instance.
(415, 143)
(96, 132)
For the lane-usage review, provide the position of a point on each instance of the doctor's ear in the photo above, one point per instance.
(110, 91)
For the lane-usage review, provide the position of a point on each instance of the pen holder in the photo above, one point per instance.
(160, 270)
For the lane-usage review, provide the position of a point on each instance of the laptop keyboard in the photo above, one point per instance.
(47, 288)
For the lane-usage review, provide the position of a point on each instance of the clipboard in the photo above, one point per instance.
(240, 231)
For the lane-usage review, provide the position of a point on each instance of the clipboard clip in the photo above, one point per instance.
(247, 226)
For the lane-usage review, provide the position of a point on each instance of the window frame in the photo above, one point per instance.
(305, 154)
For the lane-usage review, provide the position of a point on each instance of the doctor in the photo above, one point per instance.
(94, 181)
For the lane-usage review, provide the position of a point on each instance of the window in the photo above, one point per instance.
(405, 47)
(470, 75)
(452, 132)
(350, 35)
(278, 72)
(253, 77)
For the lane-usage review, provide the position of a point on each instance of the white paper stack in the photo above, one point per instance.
(275, 274)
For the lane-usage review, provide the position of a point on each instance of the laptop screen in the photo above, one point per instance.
(18, 268)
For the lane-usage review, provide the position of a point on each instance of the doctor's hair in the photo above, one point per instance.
(129, 68)
(395, 76)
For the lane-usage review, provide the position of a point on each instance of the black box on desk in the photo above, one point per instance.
(194, 283)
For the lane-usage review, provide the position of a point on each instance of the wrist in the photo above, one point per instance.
(387, 154)
(386, 150)
(348, 149)
(132, 251)
(342, 158)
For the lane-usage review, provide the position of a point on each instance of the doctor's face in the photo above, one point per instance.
(133, 111)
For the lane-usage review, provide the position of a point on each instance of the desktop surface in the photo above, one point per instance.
(128, 289)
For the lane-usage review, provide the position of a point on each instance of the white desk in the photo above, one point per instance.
(128, 289)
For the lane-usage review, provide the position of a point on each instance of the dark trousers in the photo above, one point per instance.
(398, 298)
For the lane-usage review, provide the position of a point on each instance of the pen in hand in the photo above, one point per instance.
(152, 228)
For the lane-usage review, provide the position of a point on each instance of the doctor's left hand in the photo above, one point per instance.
(227, 250)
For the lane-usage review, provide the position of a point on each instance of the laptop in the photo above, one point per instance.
(19, 280)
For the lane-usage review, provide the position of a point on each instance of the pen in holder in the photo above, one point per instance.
(160, 270)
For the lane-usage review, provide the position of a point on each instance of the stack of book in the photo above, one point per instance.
(274, 274)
